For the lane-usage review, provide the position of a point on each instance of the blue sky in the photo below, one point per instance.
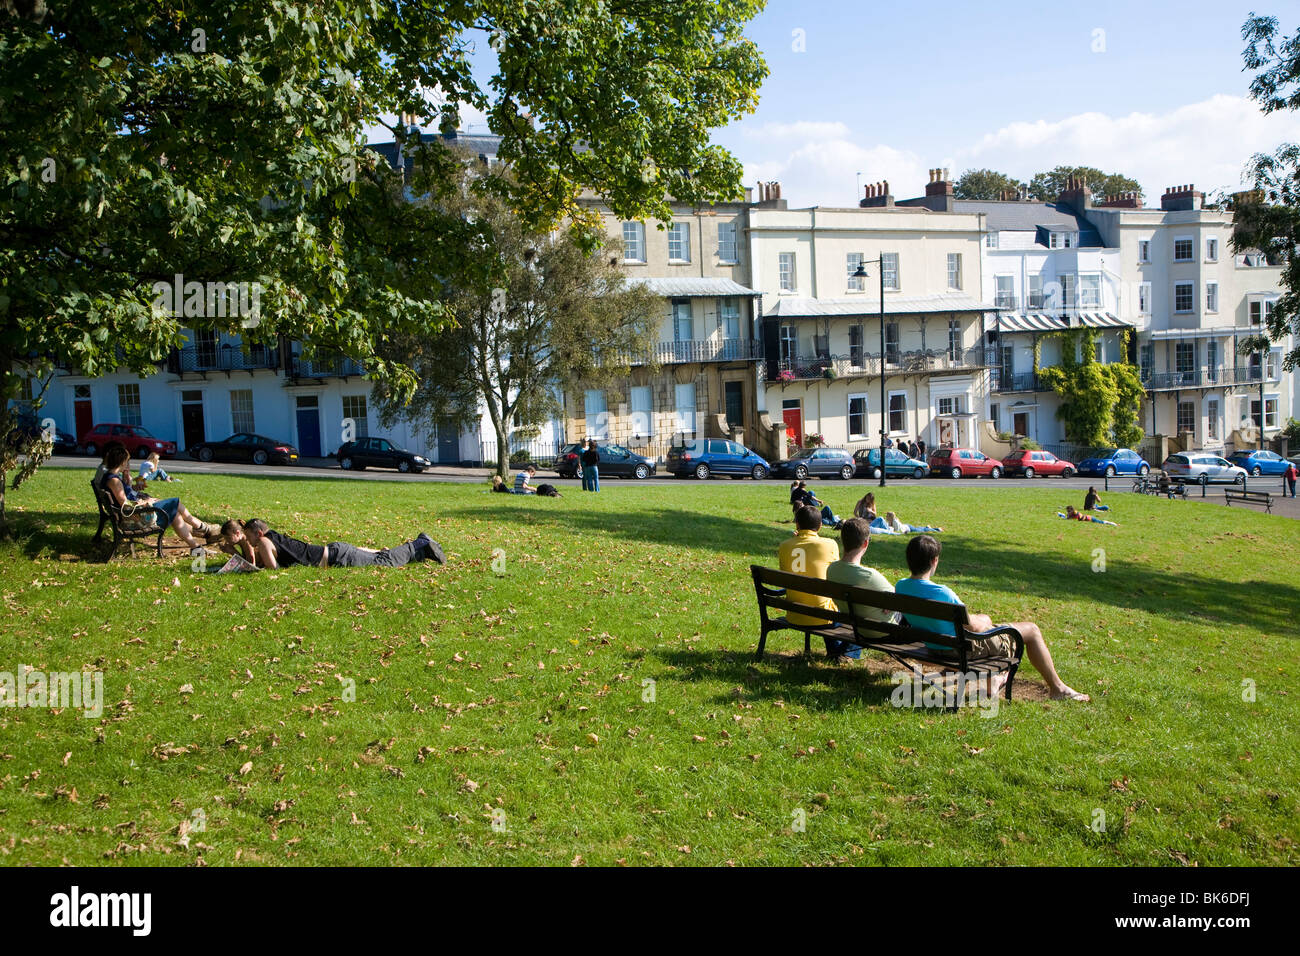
(1150, 88)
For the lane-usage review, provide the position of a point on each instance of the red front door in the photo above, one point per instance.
(793, 425)
(85, 418)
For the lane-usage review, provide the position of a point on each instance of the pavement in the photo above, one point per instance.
(328, 468)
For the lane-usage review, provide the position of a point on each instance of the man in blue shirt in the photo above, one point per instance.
(922, 560)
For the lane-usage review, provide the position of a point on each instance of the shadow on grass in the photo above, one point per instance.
(662, 526)
(1267, 606)
(790, 677)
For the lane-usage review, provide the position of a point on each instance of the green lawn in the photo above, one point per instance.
(521, 688)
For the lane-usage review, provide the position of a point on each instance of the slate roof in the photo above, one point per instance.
(691, 286)
(1041, 217)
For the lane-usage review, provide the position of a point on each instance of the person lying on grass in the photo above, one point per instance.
(266, 548)
(922, 560)
(889, 524)
(809, 554)
(1073, 515)
(855, 536)
(127, 498)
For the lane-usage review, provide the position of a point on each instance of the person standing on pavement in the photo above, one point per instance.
(590, 467)
(1291, 474)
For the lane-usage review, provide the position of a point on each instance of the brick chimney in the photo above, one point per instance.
(939, 184)
(1181, 198)
(877, 194)
(769, 195)
(1076, 195)
(1122, 201)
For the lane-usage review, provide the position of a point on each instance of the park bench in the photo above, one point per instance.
(110, 513)
(1250, 497)
(905, 644)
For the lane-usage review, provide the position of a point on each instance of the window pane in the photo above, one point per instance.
(889, 265)
(241, 410)
(853, 261)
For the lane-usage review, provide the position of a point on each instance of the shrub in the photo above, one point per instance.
(1028, 444)
(520, 457)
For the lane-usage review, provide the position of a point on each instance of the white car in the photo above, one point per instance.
(1204, 468)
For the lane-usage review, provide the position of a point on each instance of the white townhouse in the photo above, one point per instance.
(1196, 303)
(822, 322)
(1047, 270)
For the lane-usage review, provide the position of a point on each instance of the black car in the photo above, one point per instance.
(817, 463)
(379, 453)
(615, 462)
(245, 446)
(64, 444)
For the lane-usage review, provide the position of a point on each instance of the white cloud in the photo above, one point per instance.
(1206, 143)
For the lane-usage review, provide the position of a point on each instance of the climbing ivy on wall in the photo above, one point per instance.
(1100, 404)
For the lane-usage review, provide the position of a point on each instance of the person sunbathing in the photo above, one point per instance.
(1072, 515)
(256, 542)
(900, 527)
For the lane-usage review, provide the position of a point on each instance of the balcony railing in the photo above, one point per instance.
(225, 358)
(1207, 377)
(1017, 382)
(326, 367)
(706, 350)
(868, 363)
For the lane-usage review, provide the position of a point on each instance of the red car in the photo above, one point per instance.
(137, 439)
(963, 463)
(1030, 463)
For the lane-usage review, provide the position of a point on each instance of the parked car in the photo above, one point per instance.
(379, 453)
(1203, 467)
(139, 441)
(715, 456)
(245, 446)
(1110, 462)
(1029, 463)
(1259, 462)
(897, 464)
(963, 463)
(615, 461)
(816, 463)
(64, 444)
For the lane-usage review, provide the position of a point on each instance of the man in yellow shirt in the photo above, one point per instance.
(810, 554)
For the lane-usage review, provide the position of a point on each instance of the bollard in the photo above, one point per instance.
(1105, 477)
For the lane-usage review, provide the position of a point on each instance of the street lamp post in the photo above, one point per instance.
(861, 273)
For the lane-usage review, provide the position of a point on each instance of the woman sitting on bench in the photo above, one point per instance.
(180, 520)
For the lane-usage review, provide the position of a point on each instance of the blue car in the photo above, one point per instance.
(705, 457)
(1114, 461)
(1259, 462)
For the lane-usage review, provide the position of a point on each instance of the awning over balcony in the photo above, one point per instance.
(788, 306)
(689, 287)
(1047, 322)
(1218, 333)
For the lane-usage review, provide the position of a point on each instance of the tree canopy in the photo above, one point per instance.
(987, 184)
(1270, 220)
(1047, 186)
(223, 140)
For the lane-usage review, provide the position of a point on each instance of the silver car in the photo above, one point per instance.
(1202, 467)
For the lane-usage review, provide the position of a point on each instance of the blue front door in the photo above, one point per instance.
(309, 432)
(448, 445)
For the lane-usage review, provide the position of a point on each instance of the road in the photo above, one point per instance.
(328, 468)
